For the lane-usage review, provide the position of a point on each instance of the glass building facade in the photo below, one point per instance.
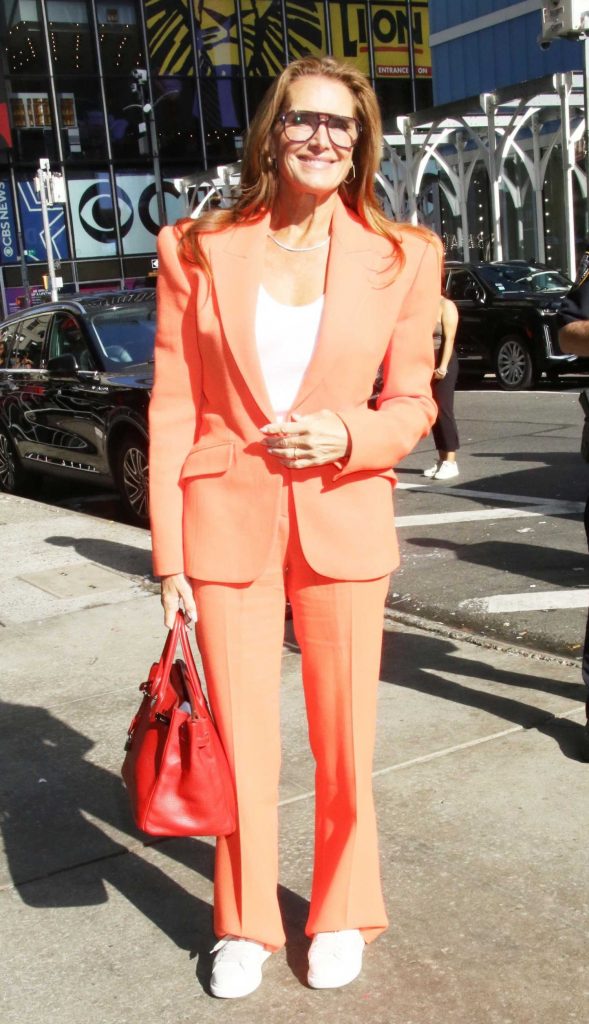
(77, 77)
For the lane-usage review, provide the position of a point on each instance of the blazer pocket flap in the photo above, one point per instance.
(211, 460)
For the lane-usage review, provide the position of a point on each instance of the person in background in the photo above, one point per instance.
(573, 338)
(445, 431)
(270, 478)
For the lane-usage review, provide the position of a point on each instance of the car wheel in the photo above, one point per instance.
(132, 477)
(513, 364)
(12, 476)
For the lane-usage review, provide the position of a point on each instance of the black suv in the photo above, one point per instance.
(75, 379)
(508, 320)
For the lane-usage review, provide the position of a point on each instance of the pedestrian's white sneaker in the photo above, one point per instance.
(335, 958)
(446, 471)
(431, 472)
(237, 967)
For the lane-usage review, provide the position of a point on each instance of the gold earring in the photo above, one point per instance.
(348, 181)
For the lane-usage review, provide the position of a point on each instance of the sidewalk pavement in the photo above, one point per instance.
(480, 786)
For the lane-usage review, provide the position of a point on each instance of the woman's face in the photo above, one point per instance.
(315, 167)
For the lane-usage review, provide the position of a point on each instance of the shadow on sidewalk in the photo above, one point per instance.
(53, 802)
(553, 567)
(121, 557)
(426, 658)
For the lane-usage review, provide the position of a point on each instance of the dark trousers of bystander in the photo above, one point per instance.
(444, 430)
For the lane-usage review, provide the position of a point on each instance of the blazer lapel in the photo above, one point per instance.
(237, 263)
(347, 289)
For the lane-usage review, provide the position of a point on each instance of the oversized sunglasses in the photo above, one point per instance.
(302, 125)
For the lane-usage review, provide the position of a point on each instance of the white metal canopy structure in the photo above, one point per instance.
(500, 176)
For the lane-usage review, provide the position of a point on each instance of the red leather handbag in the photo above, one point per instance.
(175, 768)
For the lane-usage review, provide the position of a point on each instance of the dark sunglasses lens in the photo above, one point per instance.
(300, 125)
(343, 131)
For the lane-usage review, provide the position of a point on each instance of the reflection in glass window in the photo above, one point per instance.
(122, 122)
(126, 334)
(67, 338)
(70, 38)
(20, 31)
(6, 335)
(462, 285)
(32, 119)
(29, 341)
(120, 37)
(177, 117)
(81, 118)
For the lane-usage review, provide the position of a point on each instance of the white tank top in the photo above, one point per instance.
(285, 338)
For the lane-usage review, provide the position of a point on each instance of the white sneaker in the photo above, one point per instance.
(446, 471)
(237, 967)
(335, 958)
(431, 472)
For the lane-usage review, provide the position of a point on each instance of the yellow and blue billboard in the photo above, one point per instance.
(223, 28)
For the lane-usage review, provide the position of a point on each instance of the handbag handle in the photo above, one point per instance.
(179, 634)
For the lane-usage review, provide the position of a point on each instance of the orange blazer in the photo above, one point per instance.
(214, 490)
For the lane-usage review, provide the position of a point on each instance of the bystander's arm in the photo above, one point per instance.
(573, 338)
(449, 322)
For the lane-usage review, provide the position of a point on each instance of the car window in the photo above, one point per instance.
(521, 277)
(462, 285)
(68, 338)
(126, 334)
(29, 342)
(6, 335)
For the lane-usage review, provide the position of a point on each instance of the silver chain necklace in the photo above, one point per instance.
(307, 248)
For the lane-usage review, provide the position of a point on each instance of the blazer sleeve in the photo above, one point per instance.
(405, 409)
(175, 401)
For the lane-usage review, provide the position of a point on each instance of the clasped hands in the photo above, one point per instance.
(313, 440)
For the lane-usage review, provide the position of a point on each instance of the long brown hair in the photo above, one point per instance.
(259, 178)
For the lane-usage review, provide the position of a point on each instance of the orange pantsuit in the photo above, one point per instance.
(248, 531)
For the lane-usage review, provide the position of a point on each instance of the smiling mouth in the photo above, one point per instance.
(316, 161)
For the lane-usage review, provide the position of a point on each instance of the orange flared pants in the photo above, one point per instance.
(338, 626)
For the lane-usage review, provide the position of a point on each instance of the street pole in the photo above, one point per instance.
(148, 110)
(43, 187)
(411, 54)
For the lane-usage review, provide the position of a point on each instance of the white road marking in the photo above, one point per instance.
(549, 508)
(543, 600)
(490, 496)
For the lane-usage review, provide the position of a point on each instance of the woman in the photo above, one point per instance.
(270, 478)
(445, 376)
